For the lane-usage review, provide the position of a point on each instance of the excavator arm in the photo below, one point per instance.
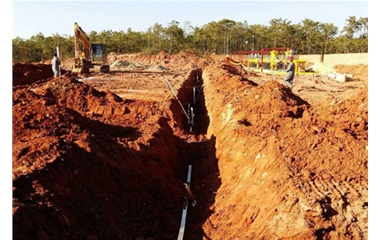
(79, 34)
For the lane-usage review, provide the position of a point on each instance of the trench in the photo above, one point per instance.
(117, 192)
(109, 193)
(199, 152)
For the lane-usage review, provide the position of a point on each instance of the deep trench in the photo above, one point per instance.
(200, 153)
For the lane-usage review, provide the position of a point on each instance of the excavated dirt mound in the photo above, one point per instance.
(78, 149)
(105, 156)
(29, 73)
(289, 170)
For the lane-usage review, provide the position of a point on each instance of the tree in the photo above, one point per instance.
(175, 35)
(297, 37)
(238, 37)
(156, 36)
(227, 25)
(209, 37)
(280, 31)
(328, 30)
(222, 37)
(363, 30)
(311, 35)
(202, 41)
(18, 50)
(258, 36)
(349, 30)
(136, 41)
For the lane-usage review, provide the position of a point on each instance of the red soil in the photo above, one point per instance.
(105, 156)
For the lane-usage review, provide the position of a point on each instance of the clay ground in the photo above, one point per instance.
(105, 156)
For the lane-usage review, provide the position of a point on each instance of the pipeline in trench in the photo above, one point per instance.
(198, 154)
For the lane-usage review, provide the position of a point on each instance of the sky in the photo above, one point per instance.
(58, 17)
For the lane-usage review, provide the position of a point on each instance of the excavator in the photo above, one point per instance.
(92, 58)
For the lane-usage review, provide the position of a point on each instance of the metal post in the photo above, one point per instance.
(59, 70)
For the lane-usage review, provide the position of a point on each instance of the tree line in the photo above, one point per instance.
(222, 37)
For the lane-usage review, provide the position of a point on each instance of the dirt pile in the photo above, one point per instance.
(76, 150)
(29, 73)
(289, 170)
(359, 71)
(105, 156)
(183, 60)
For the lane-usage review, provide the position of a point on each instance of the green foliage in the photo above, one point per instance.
(222, 37)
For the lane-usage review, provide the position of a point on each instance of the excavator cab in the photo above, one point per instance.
(99, 57)
(98, 53)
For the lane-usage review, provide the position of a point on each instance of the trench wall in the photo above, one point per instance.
(184, 95)
(264, 189)
(249, 195)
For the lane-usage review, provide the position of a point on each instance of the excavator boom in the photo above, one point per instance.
(81, 35)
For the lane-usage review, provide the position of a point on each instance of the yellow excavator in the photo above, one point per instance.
(93, 57)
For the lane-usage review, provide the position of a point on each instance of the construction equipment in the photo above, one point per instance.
(268, 60)
(93, 57)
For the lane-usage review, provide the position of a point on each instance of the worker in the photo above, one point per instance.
(290, 72)
(55, 65)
